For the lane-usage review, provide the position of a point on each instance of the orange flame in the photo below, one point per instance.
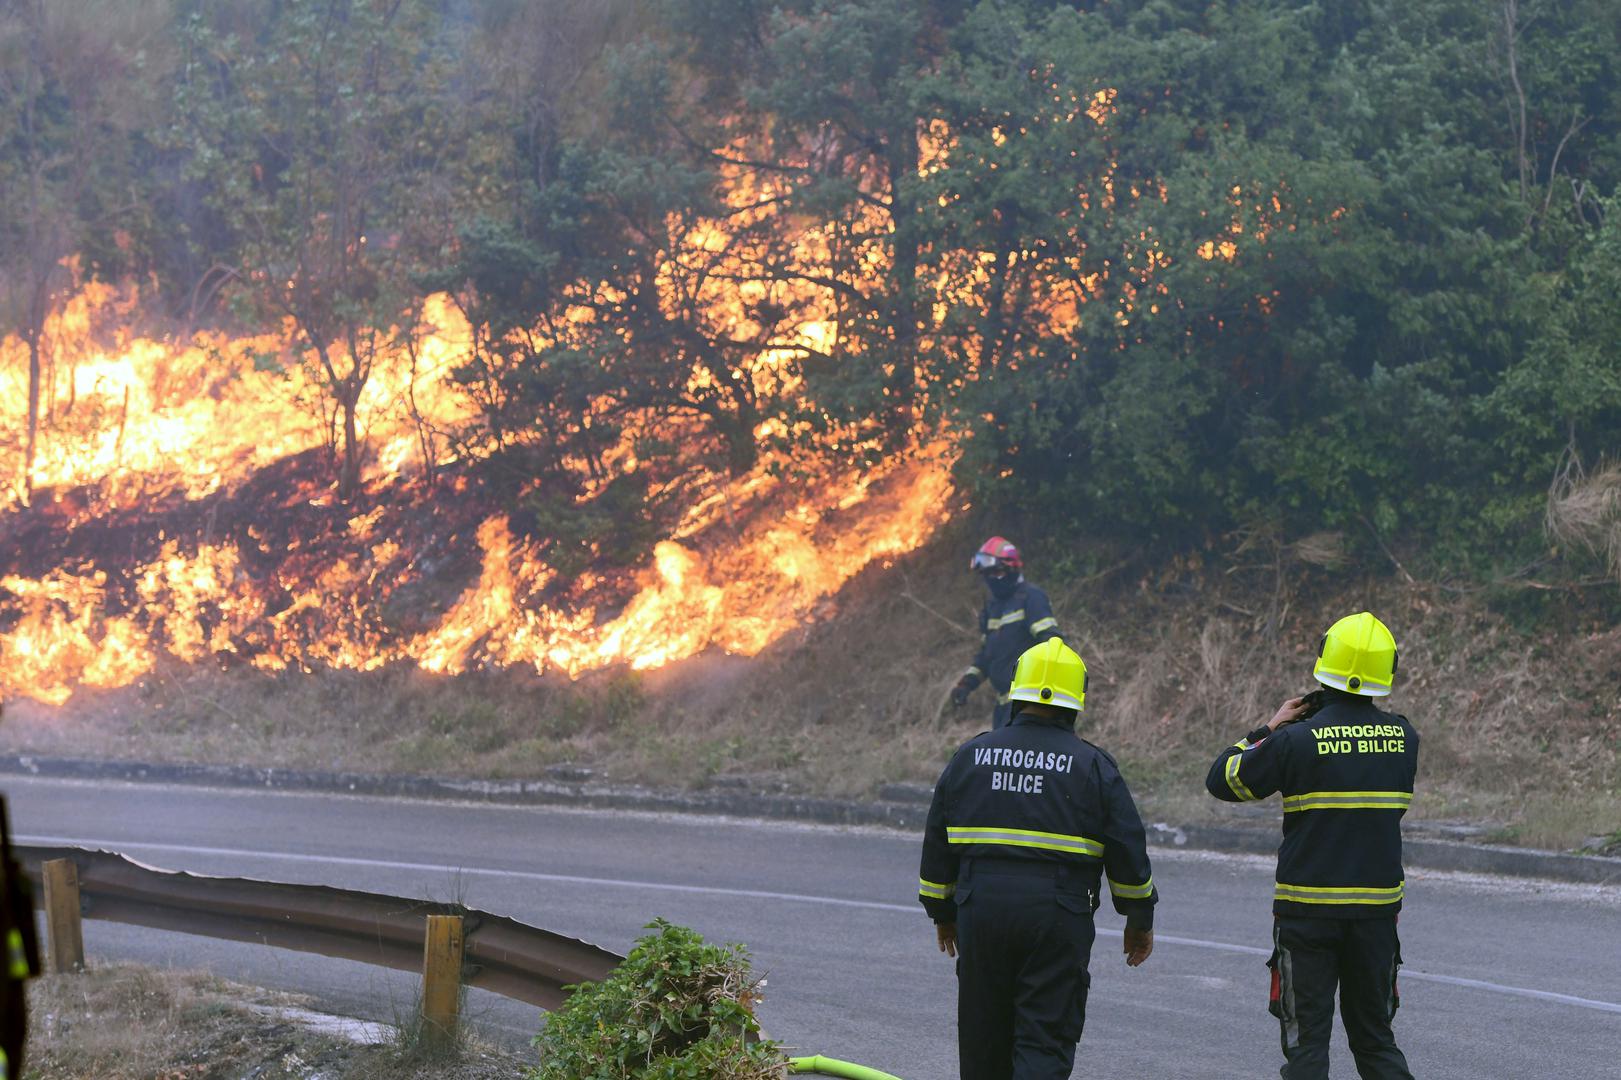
(140, 422)
(144, 417)
(740, 597)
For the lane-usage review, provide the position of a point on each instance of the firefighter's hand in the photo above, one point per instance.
(946, 934)
(1138, 945)
(960, 692)
(1288, 713)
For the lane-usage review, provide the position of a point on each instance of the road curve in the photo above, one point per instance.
(1509, 979)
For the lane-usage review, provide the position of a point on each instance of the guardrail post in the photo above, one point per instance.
(63, 922)
(441, 981)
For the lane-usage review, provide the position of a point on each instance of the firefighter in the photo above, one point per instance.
(1345, 769)
(21, 958)
(1027, 821)
(1015, 617)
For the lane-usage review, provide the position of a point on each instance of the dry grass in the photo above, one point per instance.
(1584, 511)
(1521, 730)
(128, 1022)
(125, 1022)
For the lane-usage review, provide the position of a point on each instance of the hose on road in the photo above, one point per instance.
(824, 1066)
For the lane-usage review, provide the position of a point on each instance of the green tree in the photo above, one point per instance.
(1563, 395)
(1297, 285)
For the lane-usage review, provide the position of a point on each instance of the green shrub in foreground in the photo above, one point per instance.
(676, 1009)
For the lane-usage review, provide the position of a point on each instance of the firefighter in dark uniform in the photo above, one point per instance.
(1027, 822)
(20, 961)
(1345, 769)
(1015, 617)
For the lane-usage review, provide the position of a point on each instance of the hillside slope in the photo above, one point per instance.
(1513, 691)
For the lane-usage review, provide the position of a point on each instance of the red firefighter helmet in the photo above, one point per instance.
(995, 552)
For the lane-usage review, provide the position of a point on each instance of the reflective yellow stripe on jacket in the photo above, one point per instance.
(1233, 782)
(1348, 800)
(16, 954)
(1043, 624)
(1005, 620)
(1314, 894)
(1028, 838)
(934, 890)
(1131, 892)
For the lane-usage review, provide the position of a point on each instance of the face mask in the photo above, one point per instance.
(1002, 587)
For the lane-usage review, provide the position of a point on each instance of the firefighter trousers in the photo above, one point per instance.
(1024, 938)
(1360, 957)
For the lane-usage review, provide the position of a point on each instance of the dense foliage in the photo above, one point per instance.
(678, 1008)
(1163, 268)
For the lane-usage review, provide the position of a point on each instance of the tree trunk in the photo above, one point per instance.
(33, 416)
(900, 404)
(349, 474)
(425, 439)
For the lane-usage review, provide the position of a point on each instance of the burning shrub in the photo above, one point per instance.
(676, 1009)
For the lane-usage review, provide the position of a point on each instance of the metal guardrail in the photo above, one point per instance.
(501, 954)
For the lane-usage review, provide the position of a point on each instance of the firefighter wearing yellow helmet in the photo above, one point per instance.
(1028, 822)
(1345, 770)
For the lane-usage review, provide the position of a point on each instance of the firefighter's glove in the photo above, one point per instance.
(1289, 712)
(946, 934)
(1139, 944)
(960, 692)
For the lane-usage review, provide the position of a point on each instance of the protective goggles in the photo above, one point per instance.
(982, 561)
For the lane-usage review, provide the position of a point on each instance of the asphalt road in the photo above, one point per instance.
(1510, 979)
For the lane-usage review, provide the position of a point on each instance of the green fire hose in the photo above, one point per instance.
(823, 1066)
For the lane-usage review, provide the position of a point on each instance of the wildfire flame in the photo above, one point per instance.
(186, 453)
(143, 431)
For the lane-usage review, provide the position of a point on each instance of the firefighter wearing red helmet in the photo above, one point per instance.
(1016, 616)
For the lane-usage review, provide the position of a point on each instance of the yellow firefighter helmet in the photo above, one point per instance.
(1358, 655)
(1050, 673)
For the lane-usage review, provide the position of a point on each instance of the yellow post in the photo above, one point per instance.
(63, 923)
(441, 981)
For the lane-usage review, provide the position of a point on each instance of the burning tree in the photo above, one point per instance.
(729, 288)
(68, 108)
(330, 142)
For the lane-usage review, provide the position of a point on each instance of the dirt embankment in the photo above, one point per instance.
(1512, 688)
